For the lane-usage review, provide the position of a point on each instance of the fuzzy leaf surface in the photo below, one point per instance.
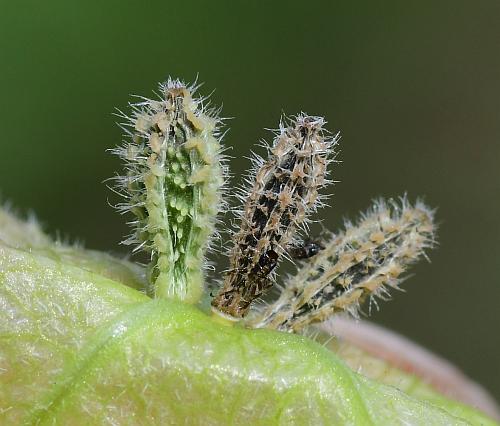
(77, 347)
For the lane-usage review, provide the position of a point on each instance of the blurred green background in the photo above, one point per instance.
(412, 86)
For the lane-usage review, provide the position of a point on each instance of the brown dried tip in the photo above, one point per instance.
(285, 190)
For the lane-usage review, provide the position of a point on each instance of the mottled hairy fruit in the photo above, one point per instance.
(360, 263)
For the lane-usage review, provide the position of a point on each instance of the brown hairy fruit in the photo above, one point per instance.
(284, 191)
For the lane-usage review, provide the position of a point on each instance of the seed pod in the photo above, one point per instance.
(284, 191)
(173, 186)
(361, 263)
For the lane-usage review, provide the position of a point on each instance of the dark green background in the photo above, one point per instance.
(412, 86)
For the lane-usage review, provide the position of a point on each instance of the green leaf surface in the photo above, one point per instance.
(77, 347)
(28, 235)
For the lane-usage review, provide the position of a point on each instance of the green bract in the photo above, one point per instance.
(80, 347)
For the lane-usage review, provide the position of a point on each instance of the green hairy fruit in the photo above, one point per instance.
(88, 338)
(172, 186)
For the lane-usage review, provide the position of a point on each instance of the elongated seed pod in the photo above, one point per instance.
(284, 190)
(362, 262)
(172, 186)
